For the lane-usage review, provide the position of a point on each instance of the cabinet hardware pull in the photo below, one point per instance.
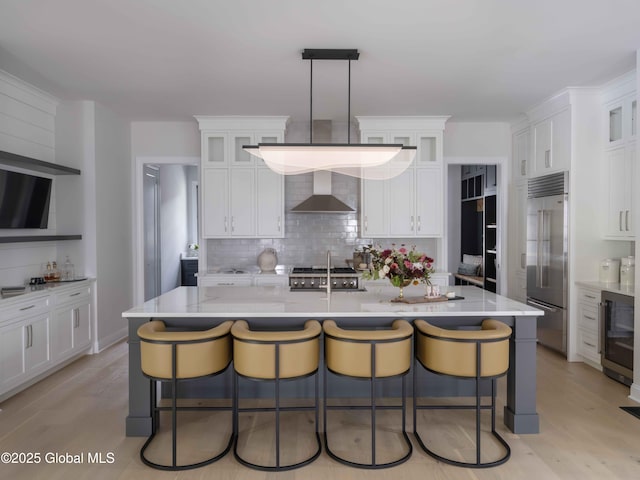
(590, 296)
(278, 222)
(27, 308)
(232, 226)
(523, 260)
(620, 221)
(523, 167)
(626, 220)
(590, 344)
(76, 318)
(590, 318)
(411, 222)
(419, 223)
(547, 158)
(366, 223)
(75, 294)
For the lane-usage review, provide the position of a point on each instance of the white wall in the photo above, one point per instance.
(477, 139)
(167, 139)
(113, 200)
(173, 222)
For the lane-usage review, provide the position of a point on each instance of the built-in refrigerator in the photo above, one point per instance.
(547, 210)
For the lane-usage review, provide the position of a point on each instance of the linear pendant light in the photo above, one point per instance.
(376, 161)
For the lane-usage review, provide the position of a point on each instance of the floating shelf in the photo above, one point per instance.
(39, 238)
(7, 158)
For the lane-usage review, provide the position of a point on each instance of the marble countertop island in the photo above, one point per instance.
(270, 301)
(275, 307)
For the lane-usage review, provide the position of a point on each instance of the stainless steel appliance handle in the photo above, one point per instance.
(620, 221)
(602, 329)
(539, 250)
(544, 307)
(626, 220)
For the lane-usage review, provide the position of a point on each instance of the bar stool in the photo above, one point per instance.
(276, 356)
(175, 357)
(479, 354)
(372, 355)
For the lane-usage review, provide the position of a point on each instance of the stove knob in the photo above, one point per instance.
(344, 284)
(312, 283)
(352, 284)
(335, 283)
(295, 284)
(302, 283)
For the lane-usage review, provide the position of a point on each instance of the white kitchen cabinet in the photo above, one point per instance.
(552, 144)
(620, 171)
(520, 155)
(589, 325)
(25, 350)
(71, 323)
(411, 204)
(240, 196)
(271, 204)
(215, 203)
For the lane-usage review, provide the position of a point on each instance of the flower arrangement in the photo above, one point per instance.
(401, 266)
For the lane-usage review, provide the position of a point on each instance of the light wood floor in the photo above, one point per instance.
(82, 408)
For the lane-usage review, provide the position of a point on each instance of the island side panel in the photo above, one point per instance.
(520, 414)
(138, 423)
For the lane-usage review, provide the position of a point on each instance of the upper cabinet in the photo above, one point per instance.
(552, 144)
(520, 155)
(240, 195)
(411, 204)
(620, 119)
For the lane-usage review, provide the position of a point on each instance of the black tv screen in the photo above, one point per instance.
(24, 200)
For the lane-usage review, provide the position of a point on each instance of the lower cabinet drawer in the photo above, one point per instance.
(588, 345)
(588, 317)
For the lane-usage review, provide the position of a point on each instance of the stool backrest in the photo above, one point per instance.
(198, 353)
(254, 352)
(349, 352)
(453, 352)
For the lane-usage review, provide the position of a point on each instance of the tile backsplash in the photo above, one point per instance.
(308, 236)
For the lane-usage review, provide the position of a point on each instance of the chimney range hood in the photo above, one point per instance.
(322, 201)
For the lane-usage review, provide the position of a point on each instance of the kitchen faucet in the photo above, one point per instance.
(328, 272)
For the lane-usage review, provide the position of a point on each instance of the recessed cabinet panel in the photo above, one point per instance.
(215, 198)
(429, 206)
(37, 351)
(402, 218)
(427, 150)
(243, 198)
(238, 155)
(615, 124)
(215, 154)
(61, 333)
(12, 359)
(270, 205)
(81, 322)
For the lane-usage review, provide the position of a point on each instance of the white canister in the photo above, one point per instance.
(609, 270)
(627, 271)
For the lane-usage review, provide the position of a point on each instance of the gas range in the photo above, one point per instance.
(315, 278)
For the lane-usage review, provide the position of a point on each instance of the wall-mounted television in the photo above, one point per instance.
(24, 200)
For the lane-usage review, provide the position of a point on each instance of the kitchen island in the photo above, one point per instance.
(276, 307)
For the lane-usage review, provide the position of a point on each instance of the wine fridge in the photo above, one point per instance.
(616, 338)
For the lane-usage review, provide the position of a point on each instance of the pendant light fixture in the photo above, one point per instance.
(376, 161)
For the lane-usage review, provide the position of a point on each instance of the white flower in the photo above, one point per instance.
(417, 266)
(386, 269)
(388, 260)
(381, 273)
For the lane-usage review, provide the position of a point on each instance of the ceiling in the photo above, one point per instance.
(478, 60)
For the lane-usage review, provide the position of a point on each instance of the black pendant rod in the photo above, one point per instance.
(349, 106)
(311, 103)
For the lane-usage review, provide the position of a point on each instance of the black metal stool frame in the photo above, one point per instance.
(372, 406)
(155, 417)
(478, 406)
(277, 409)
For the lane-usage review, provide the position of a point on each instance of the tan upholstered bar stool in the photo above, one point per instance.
(372, 355)
(276, 356)
(479, 354)
(170, 356)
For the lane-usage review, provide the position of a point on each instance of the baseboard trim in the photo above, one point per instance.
(634, 392)
(106, 342)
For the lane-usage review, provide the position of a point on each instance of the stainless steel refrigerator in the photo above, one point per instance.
(547, 209)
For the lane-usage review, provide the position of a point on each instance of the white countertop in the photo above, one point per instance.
(47, 288)
(609, 287)
(270, 301)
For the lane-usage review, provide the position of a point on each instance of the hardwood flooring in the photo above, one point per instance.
(82, 409)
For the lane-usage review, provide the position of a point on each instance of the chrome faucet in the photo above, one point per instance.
(328, 272)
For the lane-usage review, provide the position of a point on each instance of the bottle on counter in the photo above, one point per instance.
(55, 272)
(68, 270)
(48, 273)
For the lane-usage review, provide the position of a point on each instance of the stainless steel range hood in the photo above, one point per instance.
(322, 201)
